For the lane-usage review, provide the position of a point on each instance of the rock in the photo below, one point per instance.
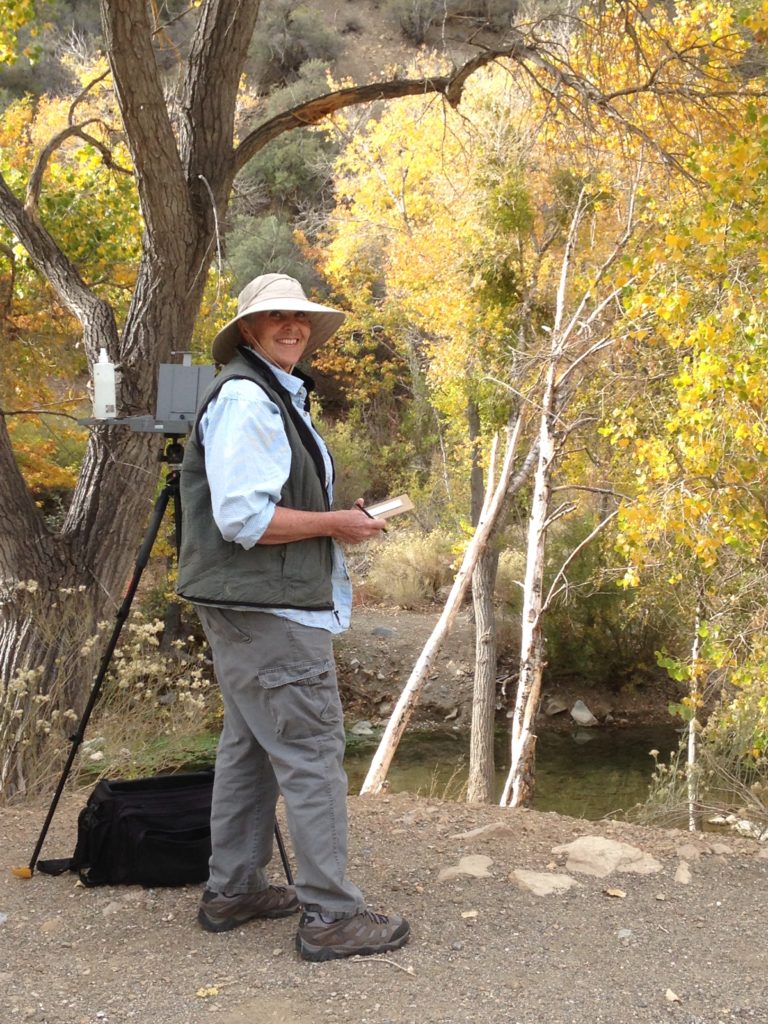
(3, 918)
(476, 865)
(542, 883)
(53, 924)
(723, 849)
(624, 934)
(555, 706)
(687, 851)
(362, 728)
(594, 855)
(383, 631)
(683, 873)
(495, 826)
(581, 714)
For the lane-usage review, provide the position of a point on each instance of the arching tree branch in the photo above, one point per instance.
(73, 131)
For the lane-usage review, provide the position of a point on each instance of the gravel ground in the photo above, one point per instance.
(482, 948)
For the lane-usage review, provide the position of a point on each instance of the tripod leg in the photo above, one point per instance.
(120, 617)
(283, 854)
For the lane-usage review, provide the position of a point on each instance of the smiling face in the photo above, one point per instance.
(279, 334)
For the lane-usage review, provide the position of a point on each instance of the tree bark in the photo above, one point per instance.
(693, 776)
(481, 760)
(476, 489)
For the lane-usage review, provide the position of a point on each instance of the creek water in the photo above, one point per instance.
(584, 773)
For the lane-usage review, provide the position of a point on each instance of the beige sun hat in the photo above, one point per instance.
(276, 291)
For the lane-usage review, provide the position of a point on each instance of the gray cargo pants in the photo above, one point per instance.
(283, 732)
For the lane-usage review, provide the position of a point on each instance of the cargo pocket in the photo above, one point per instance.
(307, 708)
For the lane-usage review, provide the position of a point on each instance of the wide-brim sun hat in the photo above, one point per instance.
(276, 291)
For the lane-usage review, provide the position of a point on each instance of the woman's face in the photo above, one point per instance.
(279, 334)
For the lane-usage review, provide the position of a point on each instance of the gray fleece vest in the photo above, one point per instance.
(214, 571)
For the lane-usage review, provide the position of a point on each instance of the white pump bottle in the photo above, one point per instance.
(104, 391)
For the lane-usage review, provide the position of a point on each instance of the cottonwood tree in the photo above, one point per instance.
(694, 449)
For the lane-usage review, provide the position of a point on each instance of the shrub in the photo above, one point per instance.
(497, 15)
(158, 703)
(286, 38)
(409, 569)
(594, 631)
(265, 245)
(354, 459)
(416, 17)
(292, 170)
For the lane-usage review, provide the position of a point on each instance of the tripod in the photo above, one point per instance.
(172, 455)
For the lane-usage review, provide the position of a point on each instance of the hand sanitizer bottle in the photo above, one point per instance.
(104, 393)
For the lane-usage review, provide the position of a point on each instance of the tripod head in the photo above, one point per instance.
(173, 452)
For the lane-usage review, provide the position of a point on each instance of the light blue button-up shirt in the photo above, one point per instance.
(247, 461)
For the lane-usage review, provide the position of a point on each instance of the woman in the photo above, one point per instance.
(261, 560)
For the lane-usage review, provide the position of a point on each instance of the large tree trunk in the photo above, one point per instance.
(481, 761)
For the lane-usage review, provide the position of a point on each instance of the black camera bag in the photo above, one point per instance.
(151, 832)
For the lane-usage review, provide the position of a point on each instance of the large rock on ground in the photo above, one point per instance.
(594, 855)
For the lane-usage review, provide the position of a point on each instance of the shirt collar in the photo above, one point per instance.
(288, 380)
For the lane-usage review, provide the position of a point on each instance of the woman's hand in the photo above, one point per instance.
(354, 526)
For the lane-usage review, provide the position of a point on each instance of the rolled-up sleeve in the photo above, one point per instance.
(247, 460)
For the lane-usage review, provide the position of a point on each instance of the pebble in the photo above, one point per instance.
(458, 946)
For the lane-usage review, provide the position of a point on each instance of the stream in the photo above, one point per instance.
(584, 773)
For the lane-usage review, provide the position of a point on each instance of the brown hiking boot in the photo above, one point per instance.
(365, 934)
(219, 913)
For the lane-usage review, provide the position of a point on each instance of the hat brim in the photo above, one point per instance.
(323, 322)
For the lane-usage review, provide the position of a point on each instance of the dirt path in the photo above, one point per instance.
(483, 948)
